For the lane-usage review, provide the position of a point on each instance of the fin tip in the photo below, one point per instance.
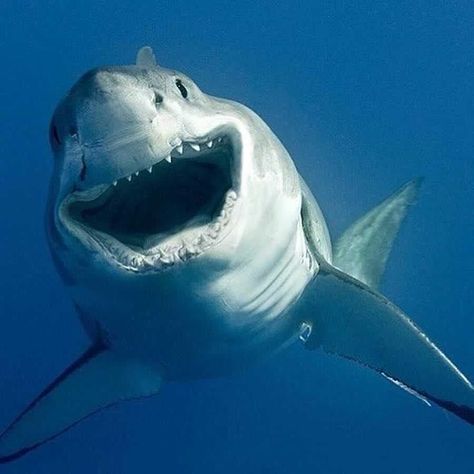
(412, 189)
(146, 57)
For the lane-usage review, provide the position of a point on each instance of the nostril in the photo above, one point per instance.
(158, 98)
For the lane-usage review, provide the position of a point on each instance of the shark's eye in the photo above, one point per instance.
(182, 89)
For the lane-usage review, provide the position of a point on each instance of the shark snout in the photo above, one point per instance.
(105, 105)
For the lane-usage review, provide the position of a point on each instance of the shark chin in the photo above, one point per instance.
(166, 213)
(192, 248)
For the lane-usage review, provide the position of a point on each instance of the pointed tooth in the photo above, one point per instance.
(209, 144)
(129, 178)
(195, 146)
(150, 169)
(115, 183)
(179, 149)
(168, 158)
(137, 173)
(183, 253)
(167, 260)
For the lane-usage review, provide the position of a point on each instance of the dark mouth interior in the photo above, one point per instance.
(186, 193)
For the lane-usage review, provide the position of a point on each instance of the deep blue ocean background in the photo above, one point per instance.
(365, 95)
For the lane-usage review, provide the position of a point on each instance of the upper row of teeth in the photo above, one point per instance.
(179, 149)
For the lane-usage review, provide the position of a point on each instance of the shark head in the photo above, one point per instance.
(152, 173)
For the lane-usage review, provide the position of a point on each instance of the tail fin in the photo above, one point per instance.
(363, 249)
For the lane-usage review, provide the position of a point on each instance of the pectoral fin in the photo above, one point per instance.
(351, 320)
(96, 380)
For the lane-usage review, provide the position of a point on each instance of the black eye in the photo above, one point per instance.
(182, 89)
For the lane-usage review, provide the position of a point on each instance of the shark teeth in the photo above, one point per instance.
(171, 253)
(167, 255)
(176, 153)
(175, 248)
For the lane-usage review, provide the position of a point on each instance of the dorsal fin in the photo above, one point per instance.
(363, 249)
(146, 57)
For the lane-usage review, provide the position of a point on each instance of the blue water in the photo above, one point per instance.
(365, 95)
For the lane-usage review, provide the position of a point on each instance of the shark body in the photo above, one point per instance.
(192, 248)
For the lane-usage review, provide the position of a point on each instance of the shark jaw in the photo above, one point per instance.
(164, 214)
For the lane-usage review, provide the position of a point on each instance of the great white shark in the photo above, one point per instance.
(192, 248)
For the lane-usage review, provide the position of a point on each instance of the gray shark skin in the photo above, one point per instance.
(192, 248)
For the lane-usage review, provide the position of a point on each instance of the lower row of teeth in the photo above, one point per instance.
(170, 255)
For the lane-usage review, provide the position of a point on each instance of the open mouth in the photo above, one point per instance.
(164, 214)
